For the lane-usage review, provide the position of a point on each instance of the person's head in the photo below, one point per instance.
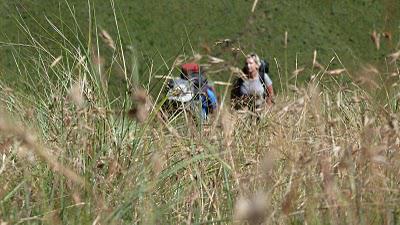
(252, 63)
(188, 69)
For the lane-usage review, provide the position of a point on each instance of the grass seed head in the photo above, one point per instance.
(394, 56)
(336, 71)
(142, 106)
(227, 123)
(76, 94)
(253, 209)
(158, 162)
(376, 38)
(56, 61)
(107, 39)
(315, 63)
(268, 163)
(388, 35)
(215, 60)
(114, 168)
(296, 72)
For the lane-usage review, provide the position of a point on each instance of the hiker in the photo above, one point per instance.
(195, 86)
(255, 89)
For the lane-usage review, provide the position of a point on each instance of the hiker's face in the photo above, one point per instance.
(251, 65)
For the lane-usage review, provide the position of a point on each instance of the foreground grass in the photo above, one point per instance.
(72, 153)
(319, 156)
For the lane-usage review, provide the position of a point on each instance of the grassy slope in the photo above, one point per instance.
(171, 28)
(323, 159)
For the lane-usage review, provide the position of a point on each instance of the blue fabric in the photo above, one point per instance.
(212, 98)
(208, 101)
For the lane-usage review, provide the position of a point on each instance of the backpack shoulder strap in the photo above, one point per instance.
(264, 67)
(262, 79)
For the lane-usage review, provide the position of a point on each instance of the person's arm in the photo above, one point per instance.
(270, 95)
(269, 90)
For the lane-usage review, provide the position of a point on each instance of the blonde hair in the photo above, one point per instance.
(255, 57)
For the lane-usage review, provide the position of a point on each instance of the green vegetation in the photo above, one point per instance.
(162, 30)
(82, 141)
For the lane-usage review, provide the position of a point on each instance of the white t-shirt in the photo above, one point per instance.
(254, 87)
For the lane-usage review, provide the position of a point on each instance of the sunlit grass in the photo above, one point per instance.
(72, 152)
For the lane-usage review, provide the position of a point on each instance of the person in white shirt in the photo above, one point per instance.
(256, 88)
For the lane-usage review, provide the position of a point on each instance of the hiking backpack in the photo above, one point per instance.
(264, 68)
(192, 72)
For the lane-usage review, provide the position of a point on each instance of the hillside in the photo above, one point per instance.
(163, 30)
(86, 137)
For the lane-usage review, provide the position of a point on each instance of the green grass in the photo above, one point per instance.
(162, 30)
(81, 141)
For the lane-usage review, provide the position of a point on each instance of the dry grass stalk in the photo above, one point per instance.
(99, 62)
(291, 193)
(253, 209)
(142, 106)
(215, 60)
(367, 77)
(227, 123)
(253, 8)
(295, 73)
(107, 39)
(236, 50)
(286, 40)
(179, 61)
(388, 35)
(268, 163)
(307, 132)
(237, 72)
(206, 48)
(158, 162)
(76, 94)
(369, 69)
(56, 61)
(316, 64)
(5, 144)
(81, 60)
(114, 168)
(224, 43)
(196, 57)
(329, 186)
(376, 38)
(97, 59)
(2, 168)
(336, 72)
(394, 56)
(29, 141)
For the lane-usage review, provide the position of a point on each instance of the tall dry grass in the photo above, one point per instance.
(326, 153)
